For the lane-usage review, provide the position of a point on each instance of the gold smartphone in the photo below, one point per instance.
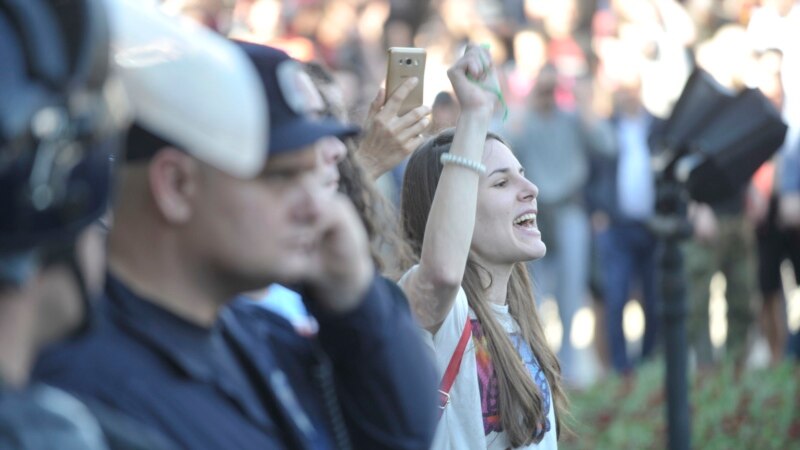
(404, 63)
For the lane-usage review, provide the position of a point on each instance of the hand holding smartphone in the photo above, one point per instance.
(396, 119)
(404, 63)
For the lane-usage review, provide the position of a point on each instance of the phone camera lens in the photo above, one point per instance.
(408, 61)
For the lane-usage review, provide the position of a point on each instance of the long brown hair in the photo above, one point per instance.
(520, 401)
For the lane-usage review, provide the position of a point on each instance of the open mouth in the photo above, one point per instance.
(527, 220)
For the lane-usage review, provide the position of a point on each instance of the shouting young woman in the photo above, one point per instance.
(470, 214)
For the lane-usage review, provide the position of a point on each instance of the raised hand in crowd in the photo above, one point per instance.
(433, 287)
(389, 137)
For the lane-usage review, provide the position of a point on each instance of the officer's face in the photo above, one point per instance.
(255, 232)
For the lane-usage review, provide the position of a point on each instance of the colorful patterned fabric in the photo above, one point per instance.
(487, 380)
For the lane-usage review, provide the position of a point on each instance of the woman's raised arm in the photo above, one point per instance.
(432, 288)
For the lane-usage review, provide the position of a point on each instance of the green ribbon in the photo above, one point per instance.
(491, 89)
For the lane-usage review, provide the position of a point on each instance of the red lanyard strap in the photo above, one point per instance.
(449, 376)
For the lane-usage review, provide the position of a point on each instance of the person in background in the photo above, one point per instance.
(444, 112)
(777, 189)
(596, 193)
(724, 241)
(773, 313)
(626, 199)
(554, 147)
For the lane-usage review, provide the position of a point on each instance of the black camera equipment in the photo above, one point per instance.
(706, 151)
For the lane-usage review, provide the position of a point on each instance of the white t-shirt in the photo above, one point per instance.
(462, 425)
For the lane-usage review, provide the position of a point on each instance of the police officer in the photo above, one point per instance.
(201, 218)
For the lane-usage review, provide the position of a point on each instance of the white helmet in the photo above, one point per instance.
(190, 87)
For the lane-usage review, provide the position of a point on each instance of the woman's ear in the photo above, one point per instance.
(173, 178)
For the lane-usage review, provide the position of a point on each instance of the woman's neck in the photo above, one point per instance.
(495, 276)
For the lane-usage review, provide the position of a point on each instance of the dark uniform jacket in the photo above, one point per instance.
(250, 382)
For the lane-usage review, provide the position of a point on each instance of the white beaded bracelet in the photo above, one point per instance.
(475, 166)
